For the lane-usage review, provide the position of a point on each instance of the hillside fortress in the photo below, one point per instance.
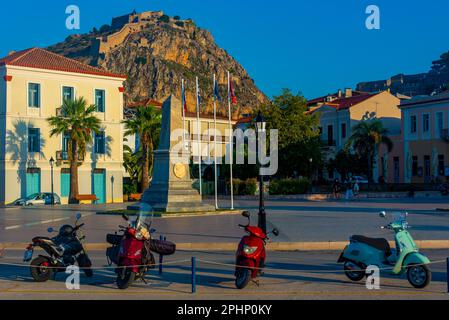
(129, 24)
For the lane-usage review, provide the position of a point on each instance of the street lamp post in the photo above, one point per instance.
(260, 127)
(52, 162)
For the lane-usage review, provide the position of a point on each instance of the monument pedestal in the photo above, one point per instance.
(171, 189)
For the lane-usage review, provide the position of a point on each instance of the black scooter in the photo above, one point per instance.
(45, 267)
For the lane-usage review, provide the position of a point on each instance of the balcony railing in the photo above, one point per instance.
(64, 156)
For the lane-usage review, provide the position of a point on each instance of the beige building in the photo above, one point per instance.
(206, 144)
(341, 111)
(33, 84)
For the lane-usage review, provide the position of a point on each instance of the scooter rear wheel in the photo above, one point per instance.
(419, 276)
(125, 278)
(39, 269)
(352, 274)
(242, 278)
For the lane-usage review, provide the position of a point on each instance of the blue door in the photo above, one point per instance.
(65, 184)
(33, 183)
(99, 185)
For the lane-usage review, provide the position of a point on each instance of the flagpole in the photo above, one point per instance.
(199, 135)
(231, 147)
(183, 95)
(215, 145)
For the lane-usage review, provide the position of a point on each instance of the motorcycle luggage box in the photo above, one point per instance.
(162, 247)
(114, 239)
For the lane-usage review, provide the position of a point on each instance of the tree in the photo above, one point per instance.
(347, 163)
(365, 140)
(146, 124)
(299, 137)
(78, 121)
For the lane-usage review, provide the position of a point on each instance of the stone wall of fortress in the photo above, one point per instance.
(117, 38)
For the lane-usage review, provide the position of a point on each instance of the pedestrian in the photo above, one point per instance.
(356, 189)
(349, 190)
(336, 189)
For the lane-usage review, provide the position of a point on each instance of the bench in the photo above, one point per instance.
(135, 197)
(86, 198)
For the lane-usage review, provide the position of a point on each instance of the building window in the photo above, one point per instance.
(65, 141)
(68, 93)
(34, 140)
(34, 95)
(439, 123)
(425, 122)
(100, 143)
(100, 100)
(414, 166)
(441, 164)
(343, 130)
(413, 124)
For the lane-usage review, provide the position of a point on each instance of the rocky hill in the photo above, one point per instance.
(155, 52)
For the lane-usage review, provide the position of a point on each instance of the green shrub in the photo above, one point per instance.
(129, 189)
(289, 186)
(244, 187)
(164, 18)
(180, 24)
(177, 17)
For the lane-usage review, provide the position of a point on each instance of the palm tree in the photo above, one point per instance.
(78, 121)
(365, 140)
(146, 124)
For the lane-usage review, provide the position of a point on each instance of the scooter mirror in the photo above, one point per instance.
(50, 230)
(78, 216)
(246, 214)
(275, 232)
(382, 214)
(153, 230)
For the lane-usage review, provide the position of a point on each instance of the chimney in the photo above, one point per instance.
(11, 52)
(340, 93)
(348, 93)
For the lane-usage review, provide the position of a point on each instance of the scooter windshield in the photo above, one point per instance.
(400, 218)
(146, 215)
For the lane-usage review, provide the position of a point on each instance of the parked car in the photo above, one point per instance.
(41, 198)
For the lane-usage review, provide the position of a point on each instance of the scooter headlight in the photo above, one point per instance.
(249, 250)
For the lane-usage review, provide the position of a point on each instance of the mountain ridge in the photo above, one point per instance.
(156, 51)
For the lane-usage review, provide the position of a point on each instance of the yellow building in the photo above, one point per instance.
(33, 84)
(340, 112)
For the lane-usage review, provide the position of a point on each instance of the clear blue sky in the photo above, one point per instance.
(314, 47)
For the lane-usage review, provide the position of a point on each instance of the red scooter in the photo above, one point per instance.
(250, 254)
(132, 251)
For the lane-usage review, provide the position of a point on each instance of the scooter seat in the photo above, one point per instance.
(378, 243)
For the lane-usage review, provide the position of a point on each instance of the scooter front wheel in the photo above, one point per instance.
(242, 277)
(352, 273)
(125, 278)
(419, 276)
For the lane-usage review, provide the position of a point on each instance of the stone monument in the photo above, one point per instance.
(171, 188)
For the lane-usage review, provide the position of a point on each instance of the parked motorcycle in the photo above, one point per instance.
(132, 251)
(250, 256)
(62, 251)
(405, 258)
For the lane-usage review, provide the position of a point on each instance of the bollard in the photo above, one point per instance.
(193, 274)
(160, 257)
(447, 274)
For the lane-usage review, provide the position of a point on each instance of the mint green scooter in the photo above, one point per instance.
(405, 258)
